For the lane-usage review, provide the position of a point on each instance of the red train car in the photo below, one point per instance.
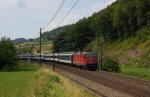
(85, 59)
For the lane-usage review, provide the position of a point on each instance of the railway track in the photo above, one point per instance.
(127, 85)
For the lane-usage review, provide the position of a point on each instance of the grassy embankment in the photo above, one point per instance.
(133, 54)
(54, 85)
(30, 81)
(143, 73)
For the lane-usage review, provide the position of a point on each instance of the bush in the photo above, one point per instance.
(8, 56)
(110, 65)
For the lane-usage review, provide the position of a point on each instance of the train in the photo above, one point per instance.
(86, 60)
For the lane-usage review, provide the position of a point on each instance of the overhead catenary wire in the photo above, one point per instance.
(59, 8)
(67, 14)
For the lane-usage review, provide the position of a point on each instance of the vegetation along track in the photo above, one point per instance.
(128, 85)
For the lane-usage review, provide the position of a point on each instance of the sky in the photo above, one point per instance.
(24, 18)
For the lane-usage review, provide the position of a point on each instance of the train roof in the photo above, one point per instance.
(62, 53)
(56, 54)
(84, 52)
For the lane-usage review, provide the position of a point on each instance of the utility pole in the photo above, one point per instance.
(40, 46)
(100, 41)
(101, 55)
(31, 51)
(53, 59)
(53, 56)
(101, 44)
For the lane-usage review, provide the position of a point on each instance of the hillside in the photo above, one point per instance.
(33, 45)
(19, 40)
(50, 34)
(46, 36)
(124, 26)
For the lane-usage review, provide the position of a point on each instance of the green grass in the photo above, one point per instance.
(143, 73)
(14, 84)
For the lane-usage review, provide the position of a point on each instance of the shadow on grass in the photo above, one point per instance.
(26, 69)
(22, 68)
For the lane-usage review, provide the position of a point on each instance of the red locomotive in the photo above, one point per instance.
(85, 59)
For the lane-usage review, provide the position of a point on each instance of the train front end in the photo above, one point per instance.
(90, 59)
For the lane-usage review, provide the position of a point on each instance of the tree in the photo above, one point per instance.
(132, 21)
(8, 56)
(120, 23)
(142, 7)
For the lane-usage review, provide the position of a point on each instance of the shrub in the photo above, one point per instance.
(8, 56)
(110, 65)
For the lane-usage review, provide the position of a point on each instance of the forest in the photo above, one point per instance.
(121, 20)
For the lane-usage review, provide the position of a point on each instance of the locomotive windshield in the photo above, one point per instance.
(87, 55)
(90, 55)
(93, 55)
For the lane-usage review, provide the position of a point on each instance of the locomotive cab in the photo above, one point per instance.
(90, 59)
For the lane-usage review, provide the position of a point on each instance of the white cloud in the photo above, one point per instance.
(84, 10)
(12, 3)
(71, 18)
(22, 4)
(110, 2)
(95, 7)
